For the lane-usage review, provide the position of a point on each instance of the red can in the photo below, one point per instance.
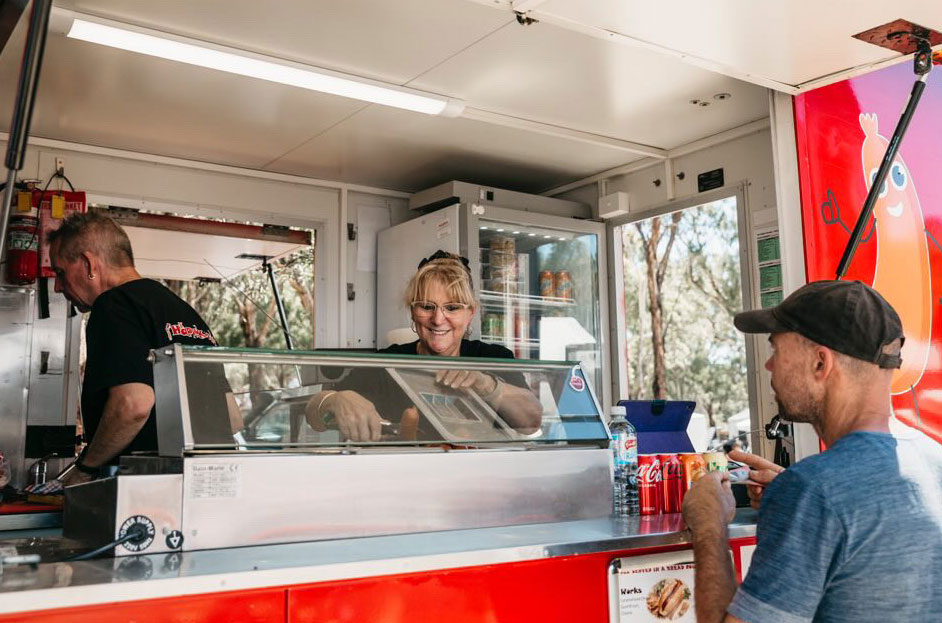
(649, 484)
(672, 483)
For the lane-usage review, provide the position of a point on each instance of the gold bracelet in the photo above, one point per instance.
(493, 396)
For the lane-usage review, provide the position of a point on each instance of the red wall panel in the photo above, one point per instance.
(842, 131)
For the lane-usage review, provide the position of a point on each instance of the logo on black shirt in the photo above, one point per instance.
(179, 329)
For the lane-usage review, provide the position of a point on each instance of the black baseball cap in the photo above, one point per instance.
(846, 316)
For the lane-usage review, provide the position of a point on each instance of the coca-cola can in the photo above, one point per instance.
(672, 483)
(649, 484)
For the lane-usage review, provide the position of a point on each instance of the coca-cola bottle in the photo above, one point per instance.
(624, 446)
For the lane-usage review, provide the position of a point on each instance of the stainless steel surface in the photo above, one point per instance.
(37, 472)
(284, 498)
(173, 420)
(107, 580)
(95, 512)
(30, 521)
(47, 364)
(16, 305)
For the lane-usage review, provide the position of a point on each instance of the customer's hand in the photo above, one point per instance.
(761, 471)
(357, 418)
(709, 505)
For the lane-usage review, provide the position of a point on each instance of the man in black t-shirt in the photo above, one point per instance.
(94, 265)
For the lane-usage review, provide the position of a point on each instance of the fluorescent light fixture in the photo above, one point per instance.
(241, 62)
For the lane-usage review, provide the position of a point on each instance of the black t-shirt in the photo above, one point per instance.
(386, 395)
(126, 322)
(469, 348)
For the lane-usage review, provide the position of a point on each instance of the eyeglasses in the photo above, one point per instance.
(427, 308)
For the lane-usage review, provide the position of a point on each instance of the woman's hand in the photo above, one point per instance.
(480, 382)
(761, 471)
(357, 418)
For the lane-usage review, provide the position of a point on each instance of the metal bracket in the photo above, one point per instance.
(123, 214)
(351, 231)
(351, 292)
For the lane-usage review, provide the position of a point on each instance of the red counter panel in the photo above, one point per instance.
(252, 606)
(563, 590)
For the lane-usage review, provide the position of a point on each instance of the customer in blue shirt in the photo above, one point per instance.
(853, 533)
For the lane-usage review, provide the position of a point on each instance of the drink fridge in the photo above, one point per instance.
(540, 279)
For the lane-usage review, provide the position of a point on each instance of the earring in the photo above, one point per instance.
(91, 276)
(413, 328)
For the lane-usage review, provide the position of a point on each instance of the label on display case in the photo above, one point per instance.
(658, 587)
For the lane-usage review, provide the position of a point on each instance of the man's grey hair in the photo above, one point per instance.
(95, 232)
(858, 367)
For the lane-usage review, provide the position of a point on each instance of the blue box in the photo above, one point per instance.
(661, 424)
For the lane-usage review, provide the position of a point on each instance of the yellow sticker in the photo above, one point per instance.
(24, 202)
(58, 206)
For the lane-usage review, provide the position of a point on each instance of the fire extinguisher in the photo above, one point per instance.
(23, 247)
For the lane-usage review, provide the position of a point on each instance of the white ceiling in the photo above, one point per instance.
(564, 72)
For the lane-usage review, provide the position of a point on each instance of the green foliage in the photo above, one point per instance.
(702, 289)
(241, 312)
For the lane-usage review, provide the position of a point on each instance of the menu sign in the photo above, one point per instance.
(652, 588)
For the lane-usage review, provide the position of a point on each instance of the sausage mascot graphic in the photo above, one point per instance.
(902, 272)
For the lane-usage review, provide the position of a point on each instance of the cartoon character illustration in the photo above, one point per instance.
(902, 273)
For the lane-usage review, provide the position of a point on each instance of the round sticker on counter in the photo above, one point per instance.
(577, 383)
(149, 533)
(174, 540)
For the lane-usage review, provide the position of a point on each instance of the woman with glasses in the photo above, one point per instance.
(441, 300)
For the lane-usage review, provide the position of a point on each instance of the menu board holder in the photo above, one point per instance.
(652, 589)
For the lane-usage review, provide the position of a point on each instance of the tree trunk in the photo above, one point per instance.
(659, 382)
(656, 270)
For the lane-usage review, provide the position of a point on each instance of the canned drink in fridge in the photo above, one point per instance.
(563, 284)
(716, 461)
(672, 483)
(694, 468)
(522, 334)
(492, 325)
(547, 284)
(649, 484)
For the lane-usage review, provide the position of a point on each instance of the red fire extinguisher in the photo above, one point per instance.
(23, 247)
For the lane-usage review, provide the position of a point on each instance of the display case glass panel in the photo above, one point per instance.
(248, 399)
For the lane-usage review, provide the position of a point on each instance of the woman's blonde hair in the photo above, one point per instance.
(446, 269)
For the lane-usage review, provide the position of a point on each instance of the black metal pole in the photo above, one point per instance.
(25, 99)
(278, 303)
(888, 157)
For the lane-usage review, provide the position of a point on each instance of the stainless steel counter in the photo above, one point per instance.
(62, 584)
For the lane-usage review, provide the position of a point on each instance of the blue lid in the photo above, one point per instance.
(661, 424)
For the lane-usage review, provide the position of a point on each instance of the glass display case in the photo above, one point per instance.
(244, 399)
(309, 445)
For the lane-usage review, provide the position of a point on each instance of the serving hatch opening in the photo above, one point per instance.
(194, 249)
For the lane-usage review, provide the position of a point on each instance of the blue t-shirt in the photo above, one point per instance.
(852, 534)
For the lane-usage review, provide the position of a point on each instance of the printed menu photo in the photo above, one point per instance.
(653, 588)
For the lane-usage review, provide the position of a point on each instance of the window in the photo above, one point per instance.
(680, 278)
